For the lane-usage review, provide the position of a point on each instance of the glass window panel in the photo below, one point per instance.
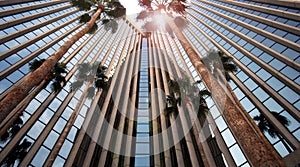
(13, 59)
(259, 38)
(65, 150)
(36, 129)
(3, 65)
(294, 124)
(291, 37)
(242, 76)
(142, 161)
(292, 54)
(214, 112)
(260, 94)
(281, 149)
(297, 134)
(290, 72)
(33, 105)
(249, 46)
(268, 42)
(263, 74)
(59, 161)
(67, 113)
(79, 121)
(60, 124)
(245, 60)
(266, 57)
(238, 157)
(42, 95)
(142, 148)
(228, 137)
(272, 105)
(15, 76)
(220, 123)
(142, 128)
(40, 157)
(270, 29)
(239, 94)
(55, 104)
(278, 65)
(275, 83)
(51, 139)
(46, 116)
(246, 103)
(253, 67)
(72, 134)
(250, 84)
(280, 33)
(141, 137)
(278, 47)
(143, 105)
(256, 51)
(289, 94)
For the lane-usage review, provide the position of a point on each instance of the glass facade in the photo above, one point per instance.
(262, 38)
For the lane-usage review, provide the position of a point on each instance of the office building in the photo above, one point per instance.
(125, 124)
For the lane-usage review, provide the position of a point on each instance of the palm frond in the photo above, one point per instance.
(35, 64)
(90, 92)
(203, 93)
(76, 85)
(82, 4)
(84, 18)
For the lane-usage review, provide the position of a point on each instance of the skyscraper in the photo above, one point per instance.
(125, 124)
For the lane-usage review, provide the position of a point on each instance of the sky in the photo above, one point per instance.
(131, 6)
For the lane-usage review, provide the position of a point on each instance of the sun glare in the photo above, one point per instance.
(132, 6)
(159, 19)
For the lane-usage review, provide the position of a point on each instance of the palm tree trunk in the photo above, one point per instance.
(21, 91)
(5, 125)
(239, 105)
(68, 127)
(253, 145)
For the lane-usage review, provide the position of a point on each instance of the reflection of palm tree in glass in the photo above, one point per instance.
(56, 76)
(265, 126)
(93, 75)
(17, 154)
(220, 65)
(185, 90)
(112, 9)
(12, 130)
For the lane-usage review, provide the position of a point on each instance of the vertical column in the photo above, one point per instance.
(142, 152)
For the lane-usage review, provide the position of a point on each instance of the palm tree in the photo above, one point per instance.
(238, 124)
(56, 76)
(112, 9)
(94, 77)
(265, 126)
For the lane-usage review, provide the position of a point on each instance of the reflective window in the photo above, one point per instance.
(40, 157)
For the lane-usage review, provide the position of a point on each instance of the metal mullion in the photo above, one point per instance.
(28, 8)
(31, 17)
